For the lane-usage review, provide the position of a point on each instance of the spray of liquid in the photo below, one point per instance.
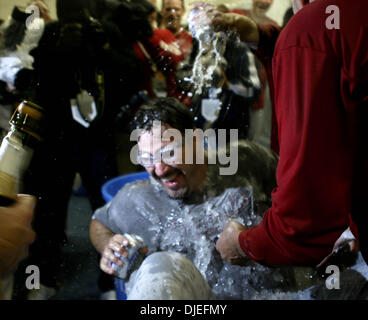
(209, 63)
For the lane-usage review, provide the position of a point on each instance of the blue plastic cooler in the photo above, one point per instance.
(111, 187)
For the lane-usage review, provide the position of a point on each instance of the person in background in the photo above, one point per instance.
(157, 48)
(176, 41)
(258, 13)
(82, 79)
(20, 34)
(172, 12)
(223, 98)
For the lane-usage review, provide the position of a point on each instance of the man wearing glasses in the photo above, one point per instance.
(181, 211)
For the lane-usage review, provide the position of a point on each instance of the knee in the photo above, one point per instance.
(168, 275)
(165, 261)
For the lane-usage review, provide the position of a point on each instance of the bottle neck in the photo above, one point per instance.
(14, 160)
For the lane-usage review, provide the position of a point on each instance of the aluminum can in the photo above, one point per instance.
(134, 259)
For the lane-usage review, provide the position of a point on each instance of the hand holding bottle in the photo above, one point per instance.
(16, 233)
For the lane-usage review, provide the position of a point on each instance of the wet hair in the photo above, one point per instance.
(167, 110)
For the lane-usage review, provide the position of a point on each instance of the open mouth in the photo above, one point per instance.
(172, 21)
(173, 181)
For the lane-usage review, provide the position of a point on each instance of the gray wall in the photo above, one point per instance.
(6, 7)
(276, 11)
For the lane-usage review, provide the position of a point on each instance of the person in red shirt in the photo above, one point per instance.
(172, 13)
(158, 53)
(155, 48)
(319, 65)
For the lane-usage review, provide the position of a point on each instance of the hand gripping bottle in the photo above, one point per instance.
(16, 152)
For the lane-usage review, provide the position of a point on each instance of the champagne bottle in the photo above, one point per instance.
(17, 149)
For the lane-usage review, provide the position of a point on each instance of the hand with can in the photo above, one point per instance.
(122, 254)
(115, 244)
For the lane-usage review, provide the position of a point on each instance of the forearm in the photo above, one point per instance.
(244, 27)
(228, 244)
(248, 30)
(99, 235)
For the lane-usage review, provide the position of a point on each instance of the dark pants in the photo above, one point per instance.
(50, 178)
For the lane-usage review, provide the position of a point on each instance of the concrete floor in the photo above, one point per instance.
(79, 269)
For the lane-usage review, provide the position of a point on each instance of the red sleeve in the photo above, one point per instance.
(311, 202)
(320, 99)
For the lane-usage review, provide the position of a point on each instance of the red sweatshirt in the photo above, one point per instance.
(162, 51)
(320, 78)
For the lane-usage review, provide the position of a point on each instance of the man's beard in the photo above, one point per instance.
(177, 194)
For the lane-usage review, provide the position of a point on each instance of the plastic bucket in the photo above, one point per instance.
(120, 289)
(111, 187)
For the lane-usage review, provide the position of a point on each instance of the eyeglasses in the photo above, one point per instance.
(172, 153)
(174, 10)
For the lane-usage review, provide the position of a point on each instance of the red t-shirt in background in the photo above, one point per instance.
(160, 51)
(165, 50)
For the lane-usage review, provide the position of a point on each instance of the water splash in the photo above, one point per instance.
(209, 63)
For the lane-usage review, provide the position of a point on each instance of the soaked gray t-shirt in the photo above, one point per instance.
(191, 226)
